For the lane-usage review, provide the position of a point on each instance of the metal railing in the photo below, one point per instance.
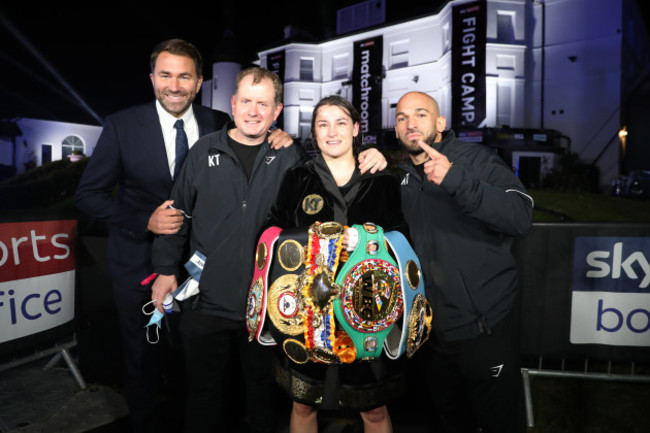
(607, 375)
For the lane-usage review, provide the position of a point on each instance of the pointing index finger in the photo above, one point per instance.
(433, 153)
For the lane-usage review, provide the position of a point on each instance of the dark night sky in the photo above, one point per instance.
(101, 50)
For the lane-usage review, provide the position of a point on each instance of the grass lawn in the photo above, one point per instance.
(554, 206)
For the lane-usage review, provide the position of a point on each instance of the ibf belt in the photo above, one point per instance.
(416, 325)
(371, 295)
(257, 294)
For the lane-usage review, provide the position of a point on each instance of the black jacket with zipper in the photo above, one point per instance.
(227, 211)
(461, 231)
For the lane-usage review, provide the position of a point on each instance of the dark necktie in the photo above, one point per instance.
(181, 146)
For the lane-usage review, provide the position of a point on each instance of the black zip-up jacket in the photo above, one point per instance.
(462, 231)
(373, 198)
(227, 213)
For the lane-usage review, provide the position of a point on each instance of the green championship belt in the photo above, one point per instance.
(371, 300)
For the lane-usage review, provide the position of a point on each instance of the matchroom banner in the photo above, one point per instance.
(37, 276)
(275, 62)
(468, 64)
(366, 86)
(611, 291)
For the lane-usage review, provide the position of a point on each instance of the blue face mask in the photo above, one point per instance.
(156, 318)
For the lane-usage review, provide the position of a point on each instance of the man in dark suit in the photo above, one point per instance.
(136, 151)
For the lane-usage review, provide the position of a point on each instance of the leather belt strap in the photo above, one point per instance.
(257, 294)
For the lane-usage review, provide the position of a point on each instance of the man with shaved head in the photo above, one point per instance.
(463, 205)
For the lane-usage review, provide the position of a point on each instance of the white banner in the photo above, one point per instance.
(617, 319)
(35, 304)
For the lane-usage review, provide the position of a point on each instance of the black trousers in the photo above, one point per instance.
(213, 347)
(150, 370)
(477, 382)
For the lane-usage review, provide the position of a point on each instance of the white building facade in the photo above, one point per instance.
(559, 65)
(43, 141)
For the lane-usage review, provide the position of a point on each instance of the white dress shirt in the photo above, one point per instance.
(167, 122)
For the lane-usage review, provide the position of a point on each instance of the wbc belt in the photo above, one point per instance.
(371, 295)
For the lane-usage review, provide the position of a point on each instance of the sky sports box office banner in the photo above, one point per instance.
(37, 284)
(586, 291)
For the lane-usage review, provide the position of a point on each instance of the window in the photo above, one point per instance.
(391, 114)
(305, 123)
(340, 66)
(504, 105)
(46, 153)
(69, 144)
(399, 54)
(307, 69)
(506, 27)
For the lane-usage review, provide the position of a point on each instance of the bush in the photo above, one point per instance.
(42, 187)
(572, 175)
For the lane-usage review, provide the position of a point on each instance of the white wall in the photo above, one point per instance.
(38, 132)
(583, 77)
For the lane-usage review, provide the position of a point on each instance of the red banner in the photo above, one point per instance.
(37, 276)
(36, 248)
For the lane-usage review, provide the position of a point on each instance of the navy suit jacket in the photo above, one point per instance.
(127, 178)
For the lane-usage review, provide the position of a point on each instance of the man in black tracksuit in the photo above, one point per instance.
(463, 205)
(228, 183)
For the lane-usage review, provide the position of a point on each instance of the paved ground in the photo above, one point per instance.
(38, 398)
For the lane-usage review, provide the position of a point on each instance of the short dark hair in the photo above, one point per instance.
(178, 47)
(349, 109)
(260, 74)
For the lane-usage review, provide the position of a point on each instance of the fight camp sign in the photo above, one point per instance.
(611, 291)
(468, 64)
(37, 276)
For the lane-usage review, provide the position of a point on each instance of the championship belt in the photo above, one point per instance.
(371, 295)
(416, 325)
(257, 294)
(282, 306)
(319, 341)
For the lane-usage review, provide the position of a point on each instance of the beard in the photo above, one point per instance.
(412, 147)
(175, 108)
